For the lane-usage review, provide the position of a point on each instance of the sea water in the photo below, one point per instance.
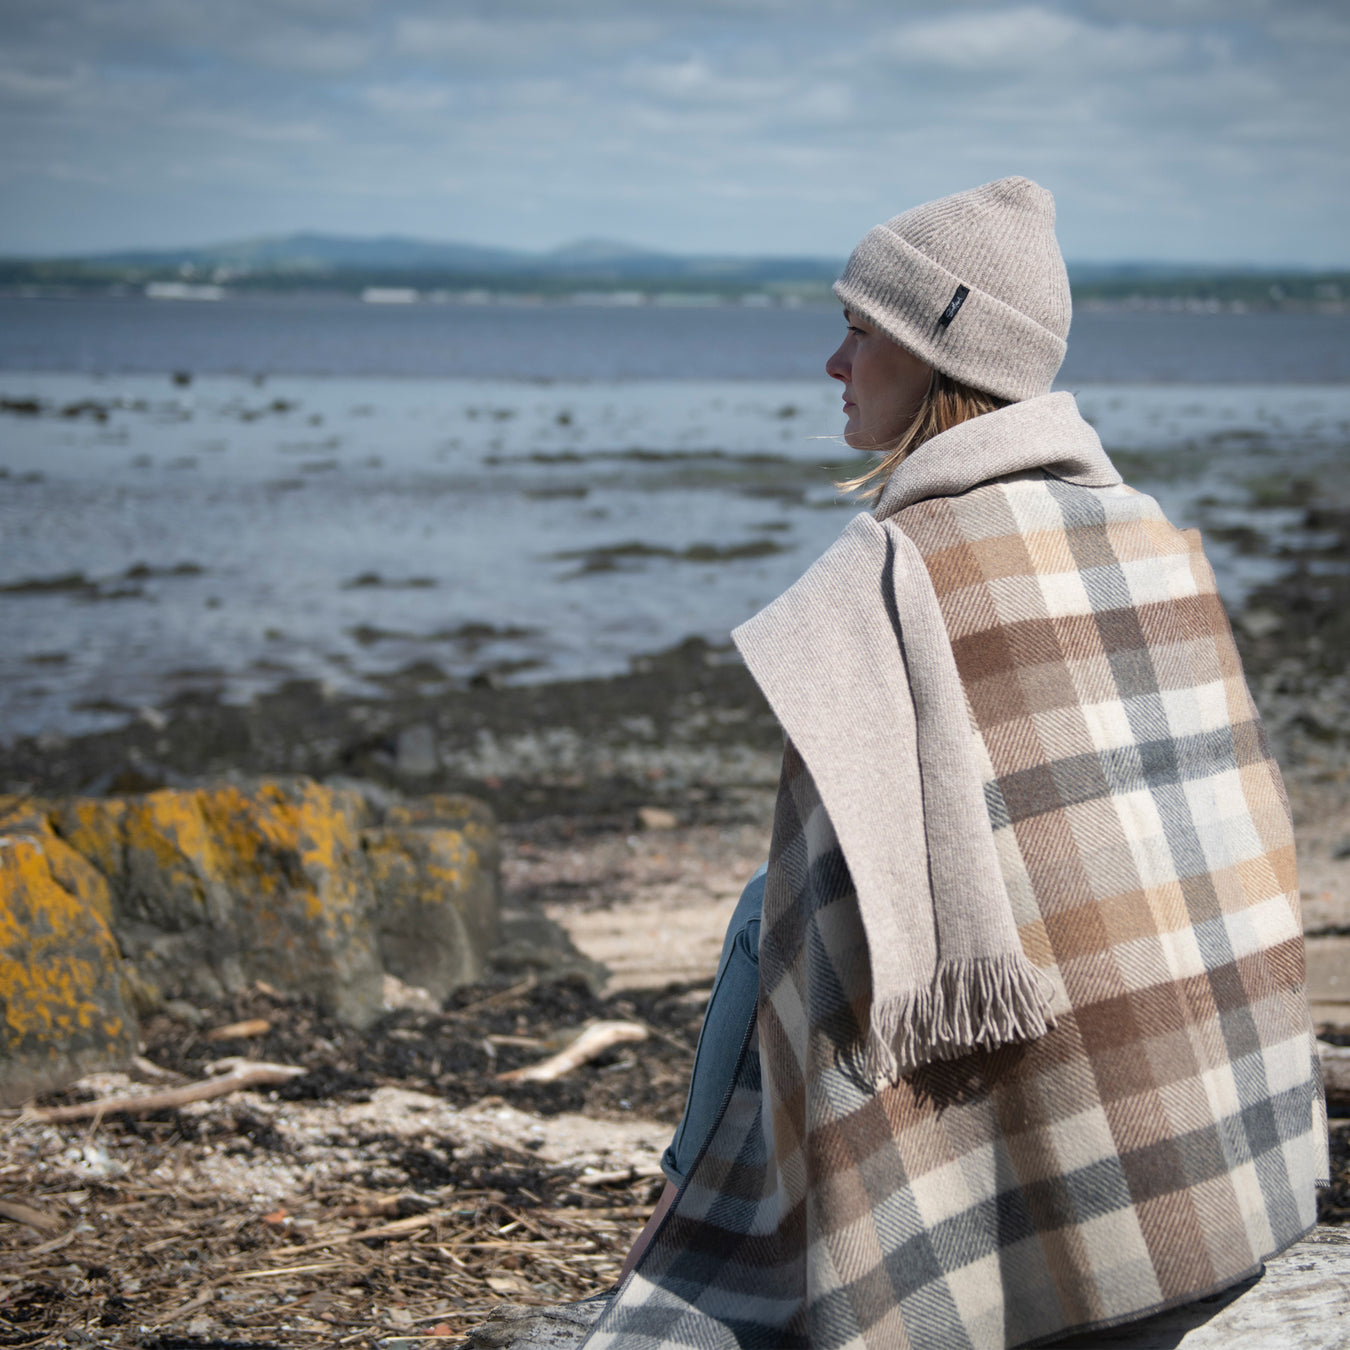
(641, 478)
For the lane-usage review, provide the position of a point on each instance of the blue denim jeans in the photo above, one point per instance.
(735, 992)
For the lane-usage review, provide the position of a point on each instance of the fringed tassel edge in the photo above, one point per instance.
(977, 1004)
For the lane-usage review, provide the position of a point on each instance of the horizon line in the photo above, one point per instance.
(621, 247)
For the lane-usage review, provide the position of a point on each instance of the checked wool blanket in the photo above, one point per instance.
(1166, 1134)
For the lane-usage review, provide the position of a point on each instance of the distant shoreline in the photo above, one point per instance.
(397, 269)
(1228, 296)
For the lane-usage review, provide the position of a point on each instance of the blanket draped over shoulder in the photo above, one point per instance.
(1032, 1050)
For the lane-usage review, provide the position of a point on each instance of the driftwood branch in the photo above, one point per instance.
(242, 1074)
(146, 1071)
(592, 1043)
(619, 1176)
(34, 1218)
(235, 1031)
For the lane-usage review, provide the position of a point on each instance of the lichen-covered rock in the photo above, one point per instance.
(217, 887)
(61, 1008)
(108, 905)
(433, 868)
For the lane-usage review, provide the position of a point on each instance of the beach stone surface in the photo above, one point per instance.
(651, 907)
(685, 728)
(62, 1011)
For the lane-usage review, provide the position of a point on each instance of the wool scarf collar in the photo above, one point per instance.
(855, 661)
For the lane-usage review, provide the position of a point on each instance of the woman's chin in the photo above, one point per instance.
(863, 443)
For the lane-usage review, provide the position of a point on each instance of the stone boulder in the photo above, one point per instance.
(433, 868)
(217, 887)
(62, 1012)
(109, 903)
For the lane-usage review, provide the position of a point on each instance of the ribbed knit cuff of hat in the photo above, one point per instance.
(974, 284)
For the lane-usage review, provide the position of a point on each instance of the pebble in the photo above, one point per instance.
(657, 818)
(415, 755)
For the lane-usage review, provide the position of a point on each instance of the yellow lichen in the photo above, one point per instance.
(94, 829)
(284, 870)
(58, 960)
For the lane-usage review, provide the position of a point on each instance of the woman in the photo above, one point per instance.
(1027, 1049)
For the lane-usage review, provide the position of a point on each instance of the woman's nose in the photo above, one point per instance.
(838, 367)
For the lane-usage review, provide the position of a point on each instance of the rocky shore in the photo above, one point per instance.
(1294, 636)
(686, 729)
(685, 741)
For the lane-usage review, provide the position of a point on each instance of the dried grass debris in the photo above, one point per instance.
(340, 1208)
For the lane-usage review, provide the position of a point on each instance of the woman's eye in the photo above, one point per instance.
(857, 332)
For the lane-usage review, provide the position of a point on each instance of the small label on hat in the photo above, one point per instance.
(954, 306)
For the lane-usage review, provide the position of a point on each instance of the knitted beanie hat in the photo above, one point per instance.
(974, 284)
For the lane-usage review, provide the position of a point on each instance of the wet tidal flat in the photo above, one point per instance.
(219, 538)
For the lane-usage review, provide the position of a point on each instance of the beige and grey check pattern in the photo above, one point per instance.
(1167, 1135)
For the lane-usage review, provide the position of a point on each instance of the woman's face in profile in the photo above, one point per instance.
(883, 385)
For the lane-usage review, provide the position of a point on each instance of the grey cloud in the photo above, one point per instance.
(39, 86)
(694, 80)
(407, 97)
(1032, 38)
(680, 123)
(301, 49)
(516, 40)
(238, 125)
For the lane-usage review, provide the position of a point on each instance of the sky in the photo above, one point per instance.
(1175, 130)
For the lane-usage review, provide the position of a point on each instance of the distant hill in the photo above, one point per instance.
(310, 251)
(313, 251)
(313, 260)
(326, 253)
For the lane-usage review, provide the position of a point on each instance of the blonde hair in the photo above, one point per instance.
(947, 404)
